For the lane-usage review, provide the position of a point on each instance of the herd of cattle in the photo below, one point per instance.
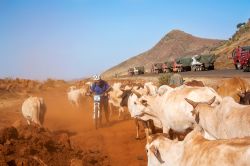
(216, 120)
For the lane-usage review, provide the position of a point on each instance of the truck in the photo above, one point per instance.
(203, 62)
(136, 70)
(157, 68)
(131, 71)
(241, 57)
(183, 63)
(167, 67)
(139, 70)
(194, 63)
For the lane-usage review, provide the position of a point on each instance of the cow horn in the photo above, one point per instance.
(194, 104)
(157, 154)
(211, 101)
(136, 93)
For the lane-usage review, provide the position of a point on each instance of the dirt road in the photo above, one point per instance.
(117, 140)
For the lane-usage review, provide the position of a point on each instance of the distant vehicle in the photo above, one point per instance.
(177, 67)
(195, 63)
(183, 63)
(131, 71)
(139, 70)
(207, 62)
(136, 70)
(167, 67)
(157, 68)
(241, 57)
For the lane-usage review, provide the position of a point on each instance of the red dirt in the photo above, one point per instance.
(117, 140)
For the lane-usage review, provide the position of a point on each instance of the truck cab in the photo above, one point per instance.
(241, 57)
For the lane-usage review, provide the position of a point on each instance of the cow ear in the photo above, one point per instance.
(156, 153)
(197, 118)
(194, 104)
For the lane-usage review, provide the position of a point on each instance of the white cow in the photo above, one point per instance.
(224, 121)
(115, 99)
(128, 98)
(195, 150)
(171, 108)
(75, 96)
(33, 110)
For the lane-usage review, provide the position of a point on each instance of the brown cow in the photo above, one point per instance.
(233, 87)
(195, 83)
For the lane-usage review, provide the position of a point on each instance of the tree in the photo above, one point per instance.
(240, 24)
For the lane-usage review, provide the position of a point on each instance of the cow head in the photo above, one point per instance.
(244, 98)
(137, 105)
(152, 150)
(195, 112)
(124, 96)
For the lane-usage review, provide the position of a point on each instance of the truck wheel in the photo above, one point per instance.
(192, 68)
(238, 66)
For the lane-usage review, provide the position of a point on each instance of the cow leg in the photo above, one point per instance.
(119, 115)
(28, 121)
(137, 128)
(147, 133)
(146, 129)
(110, 110)
(121, 110)
(36, 116)
(149, 126)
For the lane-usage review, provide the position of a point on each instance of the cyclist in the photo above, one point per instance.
(101, 87)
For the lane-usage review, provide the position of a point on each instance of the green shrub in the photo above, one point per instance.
(164, 79)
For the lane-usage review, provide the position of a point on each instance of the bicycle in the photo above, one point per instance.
(97, 112)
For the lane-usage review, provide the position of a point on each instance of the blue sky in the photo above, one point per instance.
(69, 39)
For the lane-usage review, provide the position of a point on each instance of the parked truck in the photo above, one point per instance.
(183, 63)
(167, 67)
(194, 63)
(139, 70)
(136, 70)
(131, 71)
(157, 68)
(241, 57)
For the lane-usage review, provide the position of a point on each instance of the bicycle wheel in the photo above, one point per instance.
(96, 116)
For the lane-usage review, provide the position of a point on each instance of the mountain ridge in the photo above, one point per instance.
(174, 44)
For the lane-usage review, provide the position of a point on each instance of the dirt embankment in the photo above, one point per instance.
(31, 145)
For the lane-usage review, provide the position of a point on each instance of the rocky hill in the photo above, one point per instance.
(173, 45)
